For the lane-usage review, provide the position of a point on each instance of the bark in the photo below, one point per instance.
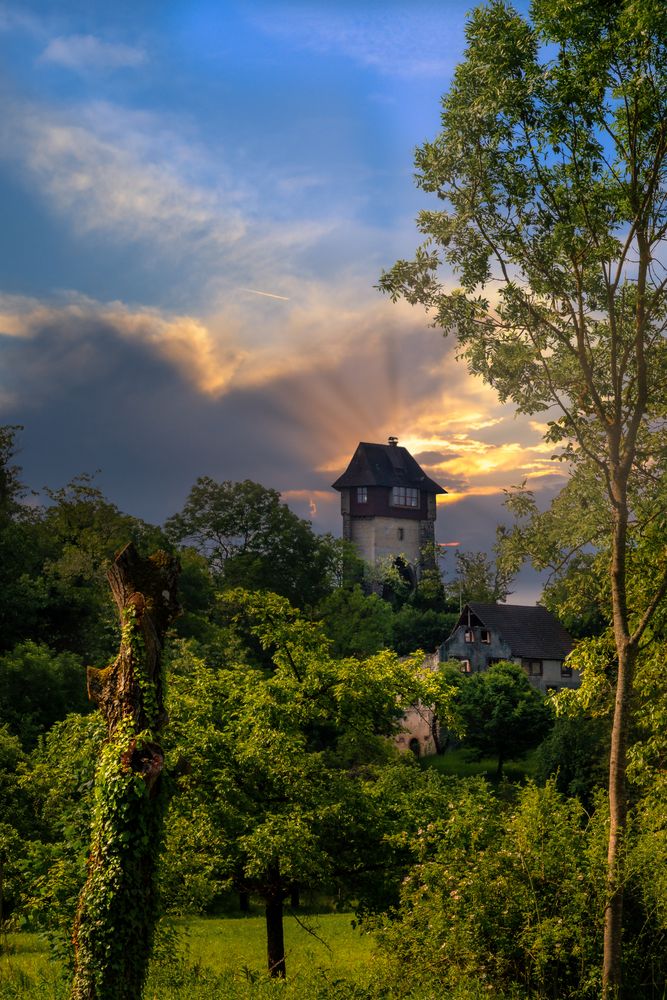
(118, 906)
(275, 940)
(499, 769)
(618, 796)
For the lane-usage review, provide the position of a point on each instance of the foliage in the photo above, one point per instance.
(38, 687)
(252, 540)
(413, 629)
(502, 713)
(551, 168)
(501, 898)
(58, 782)
(358, 625)
(279, 797)
(478, 579)
(575, 753)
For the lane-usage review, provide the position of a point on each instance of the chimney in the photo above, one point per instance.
(393, 441)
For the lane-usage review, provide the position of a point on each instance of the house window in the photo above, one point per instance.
(565, 670)
(485, 636)
(465, 667)
(400, 534)
(533, 667)
(362, 494)
(404, 496)
(469, 635)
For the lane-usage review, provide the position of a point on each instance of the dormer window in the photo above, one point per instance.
(362, 494)
(404, 496)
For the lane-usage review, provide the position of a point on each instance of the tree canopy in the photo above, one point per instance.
(551, 167)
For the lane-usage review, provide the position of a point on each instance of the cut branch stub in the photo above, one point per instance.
(118, 905)
(132, 686)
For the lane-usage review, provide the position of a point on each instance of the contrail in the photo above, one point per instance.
(269, 295)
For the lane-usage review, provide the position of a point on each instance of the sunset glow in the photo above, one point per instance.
(191, 265)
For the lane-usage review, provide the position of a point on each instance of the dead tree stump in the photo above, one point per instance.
(118, 909)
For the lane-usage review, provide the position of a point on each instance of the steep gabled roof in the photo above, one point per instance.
(530, 632)
(385, 465)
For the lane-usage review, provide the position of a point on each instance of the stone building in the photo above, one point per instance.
(530, 636)
(388, 505)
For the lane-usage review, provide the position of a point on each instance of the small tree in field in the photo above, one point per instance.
(282, 758)
(552, 167)
(502, 714)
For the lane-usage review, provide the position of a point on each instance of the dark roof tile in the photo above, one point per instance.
(531, 632)
(385, 465)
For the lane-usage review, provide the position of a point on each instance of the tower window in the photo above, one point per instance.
(362, 494)
(404, 496)
(400, 534)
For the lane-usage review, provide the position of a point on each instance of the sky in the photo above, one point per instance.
(197, 201)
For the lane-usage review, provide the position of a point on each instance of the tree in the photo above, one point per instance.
(38, 687)
(252, 540)
(283, 758)
(358, 624)
(117, 910)
(478, 579)
(552, 163)
(502, 713)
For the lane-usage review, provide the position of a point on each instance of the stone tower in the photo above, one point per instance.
(388, 504)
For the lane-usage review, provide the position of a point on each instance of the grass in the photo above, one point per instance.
(217, 958)
(459, 764)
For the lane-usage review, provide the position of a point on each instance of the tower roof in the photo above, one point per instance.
(385, 465)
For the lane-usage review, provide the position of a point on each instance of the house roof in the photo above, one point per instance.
(385, 465)
(530, 632)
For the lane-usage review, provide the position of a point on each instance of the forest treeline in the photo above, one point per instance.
(284, 681)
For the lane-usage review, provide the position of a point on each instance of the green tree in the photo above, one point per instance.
(252, 540)
(502, 714)
(282, 759)
(479, 579)
(37, 688)
(551, 165)
(358, 624)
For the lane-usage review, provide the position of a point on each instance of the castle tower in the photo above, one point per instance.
(388, 504)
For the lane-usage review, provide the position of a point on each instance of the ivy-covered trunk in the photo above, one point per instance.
(118, 906)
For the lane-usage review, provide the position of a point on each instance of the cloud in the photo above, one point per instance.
(297, 397)
(121, 173)
(86, 53)
(394, 41)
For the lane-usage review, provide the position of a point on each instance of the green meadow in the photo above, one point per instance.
(217, 958)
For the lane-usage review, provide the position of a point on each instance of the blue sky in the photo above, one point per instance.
(197, 200)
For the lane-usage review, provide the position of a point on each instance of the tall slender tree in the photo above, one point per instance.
(551, 166)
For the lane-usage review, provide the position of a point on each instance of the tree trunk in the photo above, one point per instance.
(618, 796)
(275, 940)
(499, 769)
(118, 909)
